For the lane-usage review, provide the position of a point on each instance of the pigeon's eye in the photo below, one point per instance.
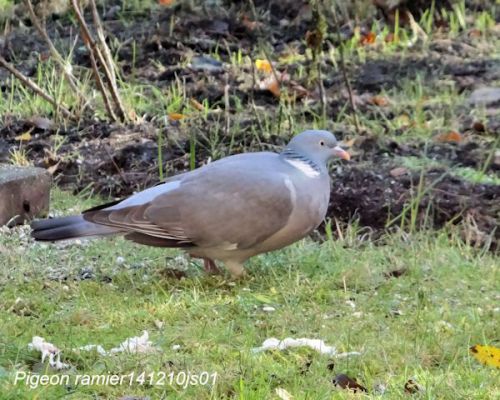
(321, 143)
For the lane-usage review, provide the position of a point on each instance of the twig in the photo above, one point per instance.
(100, 85)
(321, 88)
(102, 40)
(252, 100)
(344, 71)
(34, 87)
(416, 29)
(260, 39)
(57, 56)
(91, 45)
(316, 47)
(226, 106)
(118, 169)
(95, 70)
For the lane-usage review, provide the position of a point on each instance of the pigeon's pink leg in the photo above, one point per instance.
(211, 267)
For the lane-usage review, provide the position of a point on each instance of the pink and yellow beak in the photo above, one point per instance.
(341, 153)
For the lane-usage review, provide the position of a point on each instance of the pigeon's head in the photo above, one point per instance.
(318, 146)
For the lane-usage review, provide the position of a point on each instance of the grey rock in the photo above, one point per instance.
(24, 193)
(486, 96)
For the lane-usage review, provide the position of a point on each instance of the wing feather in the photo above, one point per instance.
(235, 201)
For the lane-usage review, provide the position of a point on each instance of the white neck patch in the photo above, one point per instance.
(303, 167)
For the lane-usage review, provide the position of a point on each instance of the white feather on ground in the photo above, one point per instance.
(316, 344)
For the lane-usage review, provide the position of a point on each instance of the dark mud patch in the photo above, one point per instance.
(371, 195)
(431, 67)
(474, 151)
(115, 161)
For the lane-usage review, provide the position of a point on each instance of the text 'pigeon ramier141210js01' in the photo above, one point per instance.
(229, 210)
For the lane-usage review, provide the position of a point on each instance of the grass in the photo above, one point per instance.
(466, 173)
(417, 326)
(412, 94)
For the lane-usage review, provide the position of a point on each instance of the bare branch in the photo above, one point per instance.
(344, 71)
(227, 113)
(34, 87)
(100, 84)
(102, 40)
(93, 49)
(321, 88)
(70, 78)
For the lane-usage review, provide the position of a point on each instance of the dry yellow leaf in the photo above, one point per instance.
(402, 120)
(348, 143)
(263, 65)
(196, 104)
(52, 169)
(380, 101)
(132, 114)
(176, 116)
(25, 137)
(487, 355)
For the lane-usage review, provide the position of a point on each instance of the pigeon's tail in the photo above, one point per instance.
(68, 228)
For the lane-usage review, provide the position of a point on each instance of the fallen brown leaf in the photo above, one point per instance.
(412, 387)
(478, 126)
(396, 273)
(314, 38)
(196, 104)
(398, 171)
(474, 33)
(345, 382)
(249, 24)
(297, 91)
(449, 137)
(380, 101)
(369, 38)
(271, 84)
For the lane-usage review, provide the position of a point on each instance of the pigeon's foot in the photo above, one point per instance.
(211, 267)
(236, 269)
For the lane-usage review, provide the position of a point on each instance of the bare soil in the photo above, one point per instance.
(116, 160)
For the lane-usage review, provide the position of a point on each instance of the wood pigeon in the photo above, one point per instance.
(228, 210)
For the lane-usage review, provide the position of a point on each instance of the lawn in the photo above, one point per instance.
(418, 325)
(403, 276)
